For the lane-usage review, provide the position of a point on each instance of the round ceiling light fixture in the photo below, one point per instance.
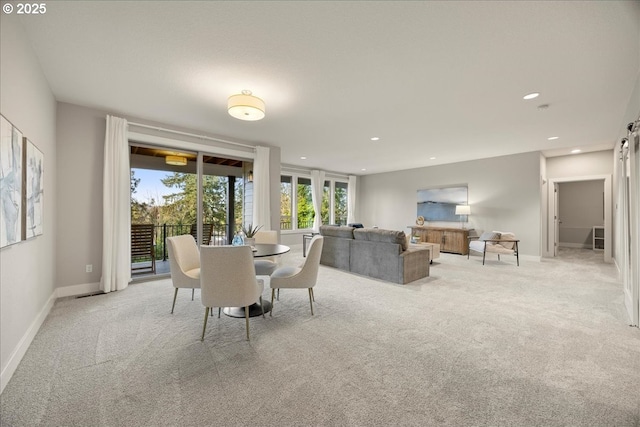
(531, 95)
(176, 160)
(245, 106)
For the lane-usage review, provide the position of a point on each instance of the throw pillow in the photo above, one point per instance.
(490, 235)
(509, 236)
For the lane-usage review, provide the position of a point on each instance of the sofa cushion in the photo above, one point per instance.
(379, 235)
(336, 231)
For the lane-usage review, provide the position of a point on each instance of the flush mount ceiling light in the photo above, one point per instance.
(375, 138)
(552, 138)
(245, 106)
(576, 151)
(175, 160)
(531, 95)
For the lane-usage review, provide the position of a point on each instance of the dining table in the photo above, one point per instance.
(260, 250)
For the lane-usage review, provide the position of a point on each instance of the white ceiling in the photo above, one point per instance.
(431, 79)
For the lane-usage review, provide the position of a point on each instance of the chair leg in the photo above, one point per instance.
(175, 294)
(498, 257)
(273, 292)
(262, 306)
(204, 328)
(484, 252)
(311, 300)
(517, 254)
(219, 310)
(246, 316)
(313, 295)
(193, 291)
(278, 297)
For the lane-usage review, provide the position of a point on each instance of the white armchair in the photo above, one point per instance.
(497, 242)
(301, 277)
(184, 263)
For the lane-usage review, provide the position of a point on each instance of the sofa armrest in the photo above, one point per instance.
(414, 264)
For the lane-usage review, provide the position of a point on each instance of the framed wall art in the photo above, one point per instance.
(34, 189)
(11, 178)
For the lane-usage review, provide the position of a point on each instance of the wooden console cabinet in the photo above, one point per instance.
(454, 240)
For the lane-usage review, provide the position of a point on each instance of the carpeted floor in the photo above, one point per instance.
(543, 344)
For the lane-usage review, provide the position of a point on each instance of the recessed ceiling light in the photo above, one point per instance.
(303, 158)
(432, 158)
(551, 138)
(363, 169)
(375, 138)
(531, 95)
(577, 150)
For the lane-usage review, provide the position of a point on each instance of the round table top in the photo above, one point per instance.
(269, 249)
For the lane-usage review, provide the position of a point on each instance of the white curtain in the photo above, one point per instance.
(261, 186)
(116, 219)
(317, 187)
(351, 200)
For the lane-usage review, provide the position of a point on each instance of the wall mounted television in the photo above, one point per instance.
(439, 204)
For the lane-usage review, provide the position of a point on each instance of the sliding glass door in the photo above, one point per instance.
(169, 198)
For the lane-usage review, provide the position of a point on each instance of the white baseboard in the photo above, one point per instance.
(85, 288)
(20, 350)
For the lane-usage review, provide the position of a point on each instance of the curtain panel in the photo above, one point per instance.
(116, 228)
(317, 187)
(261, 189)
(351, 200)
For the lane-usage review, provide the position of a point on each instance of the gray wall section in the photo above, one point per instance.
(504, 194)
(27, 269)
(581, 205)
(81, 153)
(81, 133)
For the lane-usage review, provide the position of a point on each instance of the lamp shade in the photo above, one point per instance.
(175, 160)
(245, 106)
(463, 210)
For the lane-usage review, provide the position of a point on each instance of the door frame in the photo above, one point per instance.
(552, 208)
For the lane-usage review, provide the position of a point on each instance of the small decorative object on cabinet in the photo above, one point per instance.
(420, 220)
(598, 238)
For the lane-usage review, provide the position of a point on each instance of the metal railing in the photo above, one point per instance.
(219, 236)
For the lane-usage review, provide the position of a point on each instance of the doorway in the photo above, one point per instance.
(175, 192)
(579, 227)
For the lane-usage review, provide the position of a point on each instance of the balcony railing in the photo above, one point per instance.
(219, 236)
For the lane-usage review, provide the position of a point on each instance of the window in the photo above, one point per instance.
(304, 204)
(340, 203)
(296, 207)
(286, 203)
(326, 203)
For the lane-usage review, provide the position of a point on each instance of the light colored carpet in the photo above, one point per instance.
(543, 344)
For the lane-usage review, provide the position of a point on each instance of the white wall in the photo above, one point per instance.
(27, 269)
(504, 194)
(80, 151)
(580, 165)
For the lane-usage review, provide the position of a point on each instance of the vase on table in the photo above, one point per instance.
(251, 241)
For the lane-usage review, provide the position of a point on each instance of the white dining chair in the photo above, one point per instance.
(228, 279)
(301, 277)
(184, 264)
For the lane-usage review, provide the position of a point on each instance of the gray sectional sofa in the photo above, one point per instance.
(383, 254)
